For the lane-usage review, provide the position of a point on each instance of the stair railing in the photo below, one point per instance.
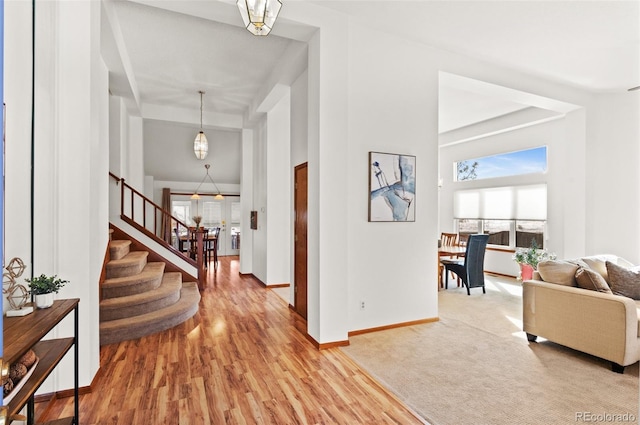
(158, 224)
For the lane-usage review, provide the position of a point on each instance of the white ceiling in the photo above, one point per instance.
(161, 53)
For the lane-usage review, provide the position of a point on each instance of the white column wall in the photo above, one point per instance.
(135, 163)
(259, 182)
(17, 96)
(390, 264)
(115, 154)
(246, 202)
(279, 192)
(328, 251)
(71, 158)
(613, 176)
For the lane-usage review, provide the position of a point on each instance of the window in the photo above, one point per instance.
(468, 227)
(499, 231)
(502, 165)
(512, 216)
(212, 214)
(529, 230)
(181, 210)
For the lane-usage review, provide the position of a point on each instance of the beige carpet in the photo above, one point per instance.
(476, 367)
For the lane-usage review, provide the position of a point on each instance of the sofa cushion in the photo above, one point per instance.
(598, 263)
(558, 271)
(592, 280)
(624, 281)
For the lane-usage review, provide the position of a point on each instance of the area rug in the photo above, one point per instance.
(475, 366)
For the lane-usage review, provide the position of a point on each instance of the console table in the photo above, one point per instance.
(26, 332)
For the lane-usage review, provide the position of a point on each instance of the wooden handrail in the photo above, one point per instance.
(156, 234)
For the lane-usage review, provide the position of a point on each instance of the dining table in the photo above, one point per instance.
(210, 245)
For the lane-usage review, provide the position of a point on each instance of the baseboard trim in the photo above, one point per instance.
(279, 285)
(326, 345)
(393, 326)
(500, 274)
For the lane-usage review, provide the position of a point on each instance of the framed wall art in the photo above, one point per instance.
(392, 187)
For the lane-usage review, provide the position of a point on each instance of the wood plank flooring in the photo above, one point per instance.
(239, 360)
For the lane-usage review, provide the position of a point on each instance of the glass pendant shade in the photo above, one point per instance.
(259, 15)
(201, 146)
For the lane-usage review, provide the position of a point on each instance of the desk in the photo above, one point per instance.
(449, 251)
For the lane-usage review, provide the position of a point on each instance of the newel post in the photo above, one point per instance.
(202, 274)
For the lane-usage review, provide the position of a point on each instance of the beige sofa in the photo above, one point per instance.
(601, 324)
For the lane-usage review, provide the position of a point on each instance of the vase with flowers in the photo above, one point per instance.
(529, 258)
(197, 219)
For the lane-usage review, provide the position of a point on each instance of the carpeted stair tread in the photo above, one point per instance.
(118, 249)
(134, 305)
(130, 328)
(148, 279)
(129, 265)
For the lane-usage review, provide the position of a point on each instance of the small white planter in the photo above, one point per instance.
(44, 300)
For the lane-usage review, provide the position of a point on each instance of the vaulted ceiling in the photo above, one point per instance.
(161, 53)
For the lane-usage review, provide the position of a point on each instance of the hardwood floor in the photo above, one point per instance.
(239, 360)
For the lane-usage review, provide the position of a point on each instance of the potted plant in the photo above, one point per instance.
(43, 287)
(528, 259)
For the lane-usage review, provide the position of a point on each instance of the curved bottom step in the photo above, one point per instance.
(149, 323)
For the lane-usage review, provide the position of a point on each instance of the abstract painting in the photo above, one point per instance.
(392, 187)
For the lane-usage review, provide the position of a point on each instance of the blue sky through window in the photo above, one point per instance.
(509, 164)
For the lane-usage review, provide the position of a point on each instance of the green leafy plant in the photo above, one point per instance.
(45, 284)
(533, 255)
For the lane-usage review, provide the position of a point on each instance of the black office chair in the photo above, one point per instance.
(471, 268)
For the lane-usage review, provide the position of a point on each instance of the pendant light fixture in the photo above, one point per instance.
(259, 15)
(218, 194)
(201, 145)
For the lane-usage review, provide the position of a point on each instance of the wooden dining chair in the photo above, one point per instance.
(447, 239)
(212, 245)
(471, 268)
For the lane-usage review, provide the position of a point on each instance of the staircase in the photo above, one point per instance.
(139, 298)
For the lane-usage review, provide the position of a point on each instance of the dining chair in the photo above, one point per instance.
(471, 268)
(447, 239)
(181, 245)
(212, 245)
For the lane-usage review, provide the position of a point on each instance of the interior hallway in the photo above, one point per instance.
(239, 360)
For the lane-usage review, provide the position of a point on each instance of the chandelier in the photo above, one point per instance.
(218, 194)
(200, 144)
(259, 15)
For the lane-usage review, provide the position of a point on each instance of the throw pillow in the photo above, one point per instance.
(623, 281)
(592, 280)
(557, 271)
(598, 263)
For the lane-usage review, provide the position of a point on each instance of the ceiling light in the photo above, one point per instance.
(259, 15)
(201, 145)
(197, 196)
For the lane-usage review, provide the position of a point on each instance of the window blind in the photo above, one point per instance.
(502, 203)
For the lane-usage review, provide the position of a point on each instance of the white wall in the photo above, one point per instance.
(246, 202)
(393, 95)
(279, 192)
(613, 176)
(259, 201)
(71, 161)
(17, 96)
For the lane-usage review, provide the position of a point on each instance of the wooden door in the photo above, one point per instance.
(300, 237)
